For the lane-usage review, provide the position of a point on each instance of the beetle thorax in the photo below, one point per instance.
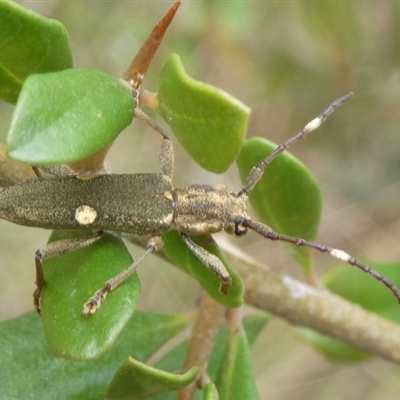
(200, 209)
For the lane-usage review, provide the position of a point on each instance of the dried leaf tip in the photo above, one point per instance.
(135, 73)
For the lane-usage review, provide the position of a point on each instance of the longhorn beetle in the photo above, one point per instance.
(148, 204)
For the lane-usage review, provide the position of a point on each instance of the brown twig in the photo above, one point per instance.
(321, 310)
(202, 340)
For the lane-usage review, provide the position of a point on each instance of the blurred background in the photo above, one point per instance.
(286, 61)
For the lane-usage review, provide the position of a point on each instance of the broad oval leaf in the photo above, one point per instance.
(182, 256)
(71, 280)
(66, 116)
(30, 44)
(360, 288)
(138, 381)
(26, 358)
(209, 123)
(287, 198)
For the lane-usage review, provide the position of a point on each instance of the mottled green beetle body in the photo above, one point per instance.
(148, 204)
(125, 203)
(143, 204)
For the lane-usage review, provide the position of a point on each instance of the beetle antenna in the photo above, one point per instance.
(257, 172)
(266, 232)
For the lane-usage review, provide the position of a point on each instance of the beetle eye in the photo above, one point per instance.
(240, 228)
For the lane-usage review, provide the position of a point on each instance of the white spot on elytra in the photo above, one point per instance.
(85, 215)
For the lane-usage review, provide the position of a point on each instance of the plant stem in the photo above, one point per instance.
(319, 309)
(204, 331)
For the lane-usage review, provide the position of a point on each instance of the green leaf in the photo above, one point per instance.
(254, 324)
(71, 280)
(287, 198)
(210, 392)
(331, 348)
(360, 288)
(182, 256)
(137, 381)
(235, 379)
(30, 371)
(30, 44)
(209, 123)
(66, 116)
(173, 360)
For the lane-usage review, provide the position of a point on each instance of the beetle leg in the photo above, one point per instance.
(56, 249)
(212, 262)
(55, 170)
(91, 306)
(166, 157)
